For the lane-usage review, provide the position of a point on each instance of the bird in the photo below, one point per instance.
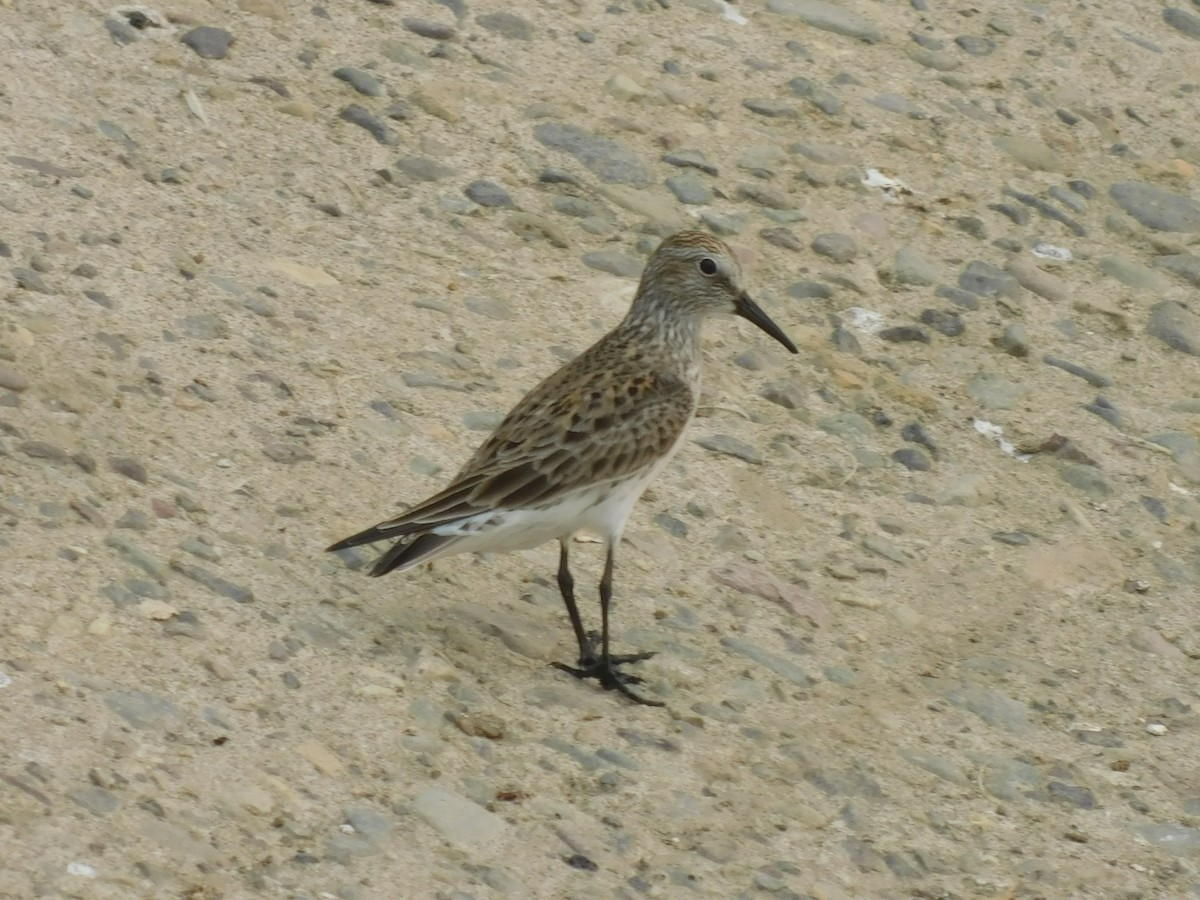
(576, 453)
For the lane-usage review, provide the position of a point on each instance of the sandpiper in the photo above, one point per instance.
(576, 453)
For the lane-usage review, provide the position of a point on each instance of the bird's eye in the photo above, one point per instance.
(708, 266)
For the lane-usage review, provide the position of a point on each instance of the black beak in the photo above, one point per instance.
(752, 312)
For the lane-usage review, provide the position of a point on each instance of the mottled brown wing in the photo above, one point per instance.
(605, 415)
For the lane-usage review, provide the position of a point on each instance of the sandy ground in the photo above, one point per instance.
(925, 618)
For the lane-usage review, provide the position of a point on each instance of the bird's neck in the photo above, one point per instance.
(674, 333)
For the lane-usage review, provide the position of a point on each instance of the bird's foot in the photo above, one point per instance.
(605, 670)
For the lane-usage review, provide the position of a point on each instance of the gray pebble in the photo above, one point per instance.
(1178, 840)
(140, 709)
(12, 380)
(997, 709)
(1088, 479)
(916, 433)
(1157, 208)
(614, 262)
(130, 468)
(913, 459)
(435, 31)
(31, 281)
(1012, 538)
(690, 159)
(96, 800)
(136, 556)
(782, 237)
(690, 189)
(482, 420)
(1185, 265)
(671, 525)
(905, 334)
(948, 323)
(1176, 326)
(203, 326)
(1104, 409)
(1014, 341)
(506, 25)
(972, 226)
(910, 267)
(730, 446)
(1092, 378)
(841, 248)
(788, 394)
(368, 121)
(828, 17)
(1018, 214)
(772, 109)
(423, 168)
(1182, 21)
(209, 42)
(215, 583)
(810, 290)
(362, 81)
(460, 821)
(986, 280)
(725, 224)
(489, 194)
(976, 46)
(818, 96)
(608, 160)
(995, 392)
(782, 667)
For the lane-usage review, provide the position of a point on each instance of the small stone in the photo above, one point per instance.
(976, 46)
(948, 323)
(130, 468)
(905, 334)
(1176, 326)
(489, 194)
(730, 446)
(1157, 208)
(1015, 341)
(368, 121)
(435, 31)
(912, 459)
(690, 189)
(209, 42)
(507, 25)
(363, 82)
(608, 160)
(841, 248)
(460, 821)
(422, 168)
(31, 281)
(12, 380)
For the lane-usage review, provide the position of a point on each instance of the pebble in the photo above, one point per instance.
(435, 31)
(31, 280)
(1156, 207)
(608, 160)
(362, 81)
(730, 446)
(209, 42)
(1185, 265)
(690, 189)
(828, 17)
(841, 248)
(215, 583)
(368, 121)
(489, 194)
(1092, 378)
(141, 709)
(615, 262)
(460, 821)
(1176, 326)
(690, 159)
(506, 24)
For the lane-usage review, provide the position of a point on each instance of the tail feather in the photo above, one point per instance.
(408, 553)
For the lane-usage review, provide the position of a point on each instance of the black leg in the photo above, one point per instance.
(605, 669)
(566, 586)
